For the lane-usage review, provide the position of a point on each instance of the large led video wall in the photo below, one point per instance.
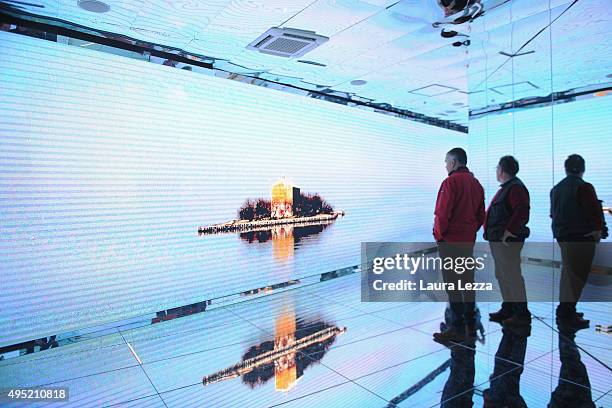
(541, 138)
(129, 187)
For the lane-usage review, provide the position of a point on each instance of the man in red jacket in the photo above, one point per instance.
(459, 214)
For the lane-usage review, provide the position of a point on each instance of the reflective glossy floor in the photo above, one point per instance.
(320, 346)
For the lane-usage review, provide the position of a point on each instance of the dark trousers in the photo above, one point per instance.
(459, 389)
(508, 273)
(506, 377)
(577, 258)
(462, 303)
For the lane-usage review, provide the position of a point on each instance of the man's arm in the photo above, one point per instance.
(481, 209)
(443, 210)
(550, 211)
(518, 199)
(592, 207)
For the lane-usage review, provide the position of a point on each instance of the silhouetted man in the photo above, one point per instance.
(577, 226)
(574, 388)
(458, 391)
(504, 391)
(506, 228)
(459, 214)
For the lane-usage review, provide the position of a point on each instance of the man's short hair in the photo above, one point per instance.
(458, 154)
(509, 165)
(574, 164)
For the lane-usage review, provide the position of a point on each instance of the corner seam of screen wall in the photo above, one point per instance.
(55, 26)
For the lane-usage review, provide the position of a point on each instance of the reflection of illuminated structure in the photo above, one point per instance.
(285, 368)
(286, 354)
(260, 225)
(284, 195)
(282, 242)
(285, 237)
(308, 226)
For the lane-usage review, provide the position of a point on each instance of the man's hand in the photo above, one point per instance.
(594, 234)
(507, 234)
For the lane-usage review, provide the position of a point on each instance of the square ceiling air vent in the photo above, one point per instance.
(287, 42)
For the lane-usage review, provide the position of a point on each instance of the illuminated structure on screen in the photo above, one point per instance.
(284, 196)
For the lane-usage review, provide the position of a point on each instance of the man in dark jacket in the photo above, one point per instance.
(577, 226)
(505, 228)
(459, 214)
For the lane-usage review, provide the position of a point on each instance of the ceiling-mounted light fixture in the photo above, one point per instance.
(460, 43)
(451, 34)
(94, 6)
(287, 42)
(358, 82)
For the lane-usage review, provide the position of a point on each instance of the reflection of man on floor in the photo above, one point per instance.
(577, 225)
(451, 7)
(574, 387)
(505, 381)
(459, 388)
(506, 228)
(459, 214)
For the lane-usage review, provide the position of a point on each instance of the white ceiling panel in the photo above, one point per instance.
(339, 15)
(390, 44)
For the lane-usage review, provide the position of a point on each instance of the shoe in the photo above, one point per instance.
(450, 334)
(517, 321)
(574, 322)
(579, 314)
(499, 316)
